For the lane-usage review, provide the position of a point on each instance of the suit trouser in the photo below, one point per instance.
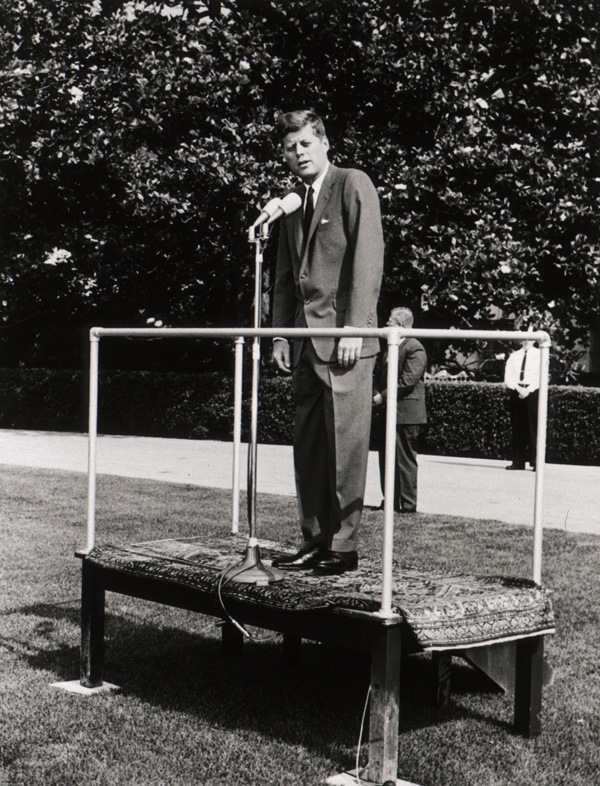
(331, 447)
(405, 466)
(523, 415)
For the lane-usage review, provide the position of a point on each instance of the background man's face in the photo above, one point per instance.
(305, 153)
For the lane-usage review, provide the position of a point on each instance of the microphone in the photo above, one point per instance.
(273, 210)
(267, 211)
(287, 205)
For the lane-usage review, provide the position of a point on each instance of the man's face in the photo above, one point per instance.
(305, 153)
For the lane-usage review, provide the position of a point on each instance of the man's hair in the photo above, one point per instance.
(403, 316)
(290, 122)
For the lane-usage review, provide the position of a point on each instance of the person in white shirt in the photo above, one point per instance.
(522, 378)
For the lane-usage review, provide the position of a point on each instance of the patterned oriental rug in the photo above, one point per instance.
(443, 610)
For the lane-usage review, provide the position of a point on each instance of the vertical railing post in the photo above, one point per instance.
(253, 457)
(237, 434)
(393, 340)
(253, 453)
(92, 441)
(540, 460)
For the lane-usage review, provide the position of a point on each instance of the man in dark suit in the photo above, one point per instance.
(329, 270)
(411, 414)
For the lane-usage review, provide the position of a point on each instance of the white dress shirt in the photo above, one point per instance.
(531, 371)
(316, 186)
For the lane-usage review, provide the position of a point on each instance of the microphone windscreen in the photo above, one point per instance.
(290, 203)
(271, 207)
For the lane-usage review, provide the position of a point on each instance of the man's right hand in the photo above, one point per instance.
(281, 355)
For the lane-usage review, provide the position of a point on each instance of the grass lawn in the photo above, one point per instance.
(185, 716)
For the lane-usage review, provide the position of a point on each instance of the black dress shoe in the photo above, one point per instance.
(334, 562)
(515, 466)
(301, 560)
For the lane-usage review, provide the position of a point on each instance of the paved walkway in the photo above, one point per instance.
(476, 488)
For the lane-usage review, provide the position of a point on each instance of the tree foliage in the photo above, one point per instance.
(136, 149)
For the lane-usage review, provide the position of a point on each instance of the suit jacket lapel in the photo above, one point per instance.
(297, 216)
(324, 196)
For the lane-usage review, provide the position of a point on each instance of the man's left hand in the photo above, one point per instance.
(348, 351)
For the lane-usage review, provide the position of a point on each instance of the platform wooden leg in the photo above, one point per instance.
(384, 706)
(528, 686)
(441, 666)
(232, 640)
(92, 630)
(292, 650)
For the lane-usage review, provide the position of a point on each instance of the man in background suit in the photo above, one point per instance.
(411, 414)
(329, 270)
(522, 378)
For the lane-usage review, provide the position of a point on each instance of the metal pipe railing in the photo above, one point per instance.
(237, 433)
(540, 461)
(92, 442)
(392, 335)
(426, 333)
(388, 486)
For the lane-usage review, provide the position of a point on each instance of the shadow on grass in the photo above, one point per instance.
(317, 703)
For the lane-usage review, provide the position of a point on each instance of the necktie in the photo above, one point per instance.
(309, 209)
(523, 364)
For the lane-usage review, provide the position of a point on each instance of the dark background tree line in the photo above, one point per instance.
(136, 149)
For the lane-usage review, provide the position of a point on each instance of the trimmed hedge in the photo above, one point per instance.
(471, 419)
(574, 425)
(41, 399)
(465, 418)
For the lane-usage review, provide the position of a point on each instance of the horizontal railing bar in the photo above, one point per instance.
(494, 335)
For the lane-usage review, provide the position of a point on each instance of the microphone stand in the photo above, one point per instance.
(252, 570)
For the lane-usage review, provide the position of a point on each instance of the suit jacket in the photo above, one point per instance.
(412, 364)
(332, 278)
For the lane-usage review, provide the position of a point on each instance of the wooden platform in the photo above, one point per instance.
(498, 623)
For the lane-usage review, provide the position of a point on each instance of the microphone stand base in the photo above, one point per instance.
(251, 569)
